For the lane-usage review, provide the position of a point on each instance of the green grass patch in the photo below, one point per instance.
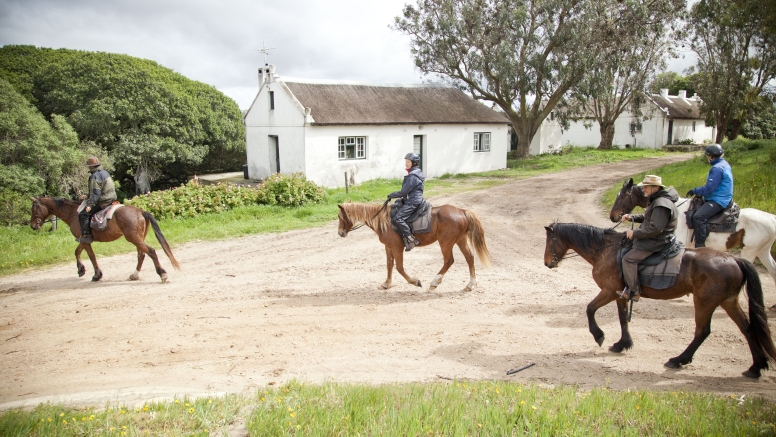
(432, 409)
(25, 248)
(754, 175)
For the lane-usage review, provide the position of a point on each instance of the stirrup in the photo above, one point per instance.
(409, 244)
(626, 294)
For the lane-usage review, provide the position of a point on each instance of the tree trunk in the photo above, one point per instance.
(607, 136)
(722, 122)
(735, 129)
(523, 142)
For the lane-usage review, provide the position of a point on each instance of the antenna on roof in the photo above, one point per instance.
(264, 51)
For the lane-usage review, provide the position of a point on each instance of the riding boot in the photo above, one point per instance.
(409, 243)
(86, 230)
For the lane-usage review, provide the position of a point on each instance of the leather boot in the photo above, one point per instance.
(86, 230)
(409, 243)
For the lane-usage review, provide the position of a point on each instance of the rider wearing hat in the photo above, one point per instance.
(656, 231)
(411, 194)
(102, 193)
(717, 193)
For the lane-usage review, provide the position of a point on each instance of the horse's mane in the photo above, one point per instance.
(583, 236)
(365, 213)
(60, 202)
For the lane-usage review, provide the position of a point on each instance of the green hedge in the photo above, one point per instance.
(194, 198)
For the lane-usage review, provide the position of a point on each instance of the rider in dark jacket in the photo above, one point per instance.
(717, 193)
(411, 194)
(658, 224)
(102, 193)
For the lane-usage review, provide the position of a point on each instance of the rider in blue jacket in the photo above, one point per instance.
(411, 194)
(717, 193)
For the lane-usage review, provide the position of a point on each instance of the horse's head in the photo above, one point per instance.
(345, 225)
(39, 213)
(629, 197)
(554, 249)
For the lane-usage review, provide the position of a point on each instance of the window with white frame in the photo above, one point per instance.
(482, 141)
(352, 148)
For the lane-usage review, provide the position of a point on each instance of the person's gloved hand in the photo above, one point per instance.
(389, 197)
(690, 193)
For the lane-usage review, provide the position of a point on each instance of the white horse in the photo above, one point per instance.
(755, 232)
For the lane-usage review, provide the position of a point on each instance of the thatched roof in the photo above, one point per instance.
(678, 107)
(335, 104)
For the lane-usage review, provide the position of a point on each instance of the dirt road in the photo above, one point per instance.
(306, 305)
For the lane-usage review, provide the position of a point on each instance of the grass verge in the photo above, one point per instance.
(25, 248)
(433, 409)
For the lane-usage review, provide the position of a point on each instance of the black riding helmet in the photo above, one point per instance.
(714, 150)
(412, 157)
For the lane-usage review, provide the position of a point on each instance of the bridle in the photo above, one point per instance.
(556, 259)
(37, 210)
(373, 217)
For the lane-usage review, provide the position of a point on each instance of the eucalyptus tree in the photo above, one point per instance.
(521, 55)
(619, 82)
(736, 59)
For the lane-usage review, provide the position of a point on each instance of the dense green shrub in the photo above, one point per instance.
(14, 208)
(195, 198)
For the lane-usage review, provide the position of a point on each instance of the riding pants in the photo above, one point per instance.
(85, 217)
(630, 268)
(701, 217)
(400, 219)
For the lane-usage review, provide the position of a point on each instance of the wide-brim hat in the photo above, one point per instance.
(652, 180)
(92, 162)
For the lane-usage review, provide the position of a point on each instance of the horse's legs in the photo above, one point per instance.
(463, 245)
(398, 255)
(703, 313)
(603, 298)
(765, 257)
(140, 258)
(389, 261)
(626, 342)
(97, 272)
(447, 254)
(78, 263)
(143, 247)
(759, 360)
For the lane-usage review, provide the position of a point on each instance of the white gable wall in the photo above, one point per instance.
(286, 121)
(446, 149)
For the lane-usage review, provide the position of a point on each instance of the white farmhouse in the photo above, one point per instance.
(328, 131)
(667, 119)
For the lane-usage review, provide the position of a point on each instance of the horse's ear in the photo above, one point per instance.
(628, 183)
(549, 228)
(340, 207)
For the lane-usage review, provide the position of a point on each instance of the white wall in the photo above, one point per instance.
(446, 149)
(286, 122)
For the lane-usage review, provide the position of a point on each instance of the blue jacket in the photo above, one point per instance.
(411, 188)
(719, 184)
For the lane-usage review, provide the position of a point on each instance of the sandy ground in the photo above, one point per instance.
(306, 304)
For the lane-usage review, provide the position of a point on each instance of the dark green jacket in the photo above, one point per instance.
(101, 189)
(658, 222)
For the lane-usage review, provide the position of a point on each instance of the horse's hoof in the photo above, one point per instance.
(672, 364)
(468, 288)
(97, 276)
(134, 276)
(600, 340)
(417, 283)
(616, 348)
(772, 308)
(752, 373)
(432, 288)
(164, 277)
(385, 286)
(81, 271)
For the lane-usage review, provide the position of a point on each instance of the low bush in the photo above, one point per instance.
(14, 208)
(288, 190)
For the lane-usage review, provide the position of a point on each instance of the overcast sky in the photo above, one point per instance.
(217, 42)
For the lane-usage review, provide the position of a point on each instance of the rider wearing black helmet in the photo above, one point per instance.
(412, 195)
(717, 193)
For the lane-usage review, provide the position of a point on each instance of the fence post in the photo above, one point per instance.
(346, 182)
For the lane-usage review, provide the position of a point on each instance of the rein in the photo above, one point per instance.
(373, 217)
(555, 255)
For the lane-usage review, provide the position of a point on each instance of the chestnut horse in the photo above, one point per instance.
(755, 233)
(449, 226)
(714, 279)
(133, 223)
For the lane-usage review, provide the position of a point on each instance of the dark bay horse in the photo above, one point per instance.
(131, 222)
(714, 279)
(449, 225)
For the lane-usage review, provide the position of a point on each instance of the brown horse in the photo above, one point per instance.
(449, 226)
(714, 279)
(131, 222)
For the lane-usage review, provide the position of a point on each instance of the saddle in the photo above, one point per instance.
(100, 218)
(419, 221)
(659, 270)
(726, 221)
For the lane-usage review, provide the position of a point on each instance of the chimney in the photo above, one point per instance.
(271, 76)
(263, 75)
(682, 94)
(664, 93)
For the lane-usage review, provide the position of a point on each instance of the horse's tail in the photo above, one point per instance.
(162, 240)
(758, 320)
(477, 237)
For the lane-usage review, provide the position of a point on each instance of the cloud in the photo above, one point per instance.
(217, 42)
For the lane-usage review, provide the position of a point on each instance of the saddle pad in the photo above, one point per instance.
(419, 221)
(101, 217)
(659, 270)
